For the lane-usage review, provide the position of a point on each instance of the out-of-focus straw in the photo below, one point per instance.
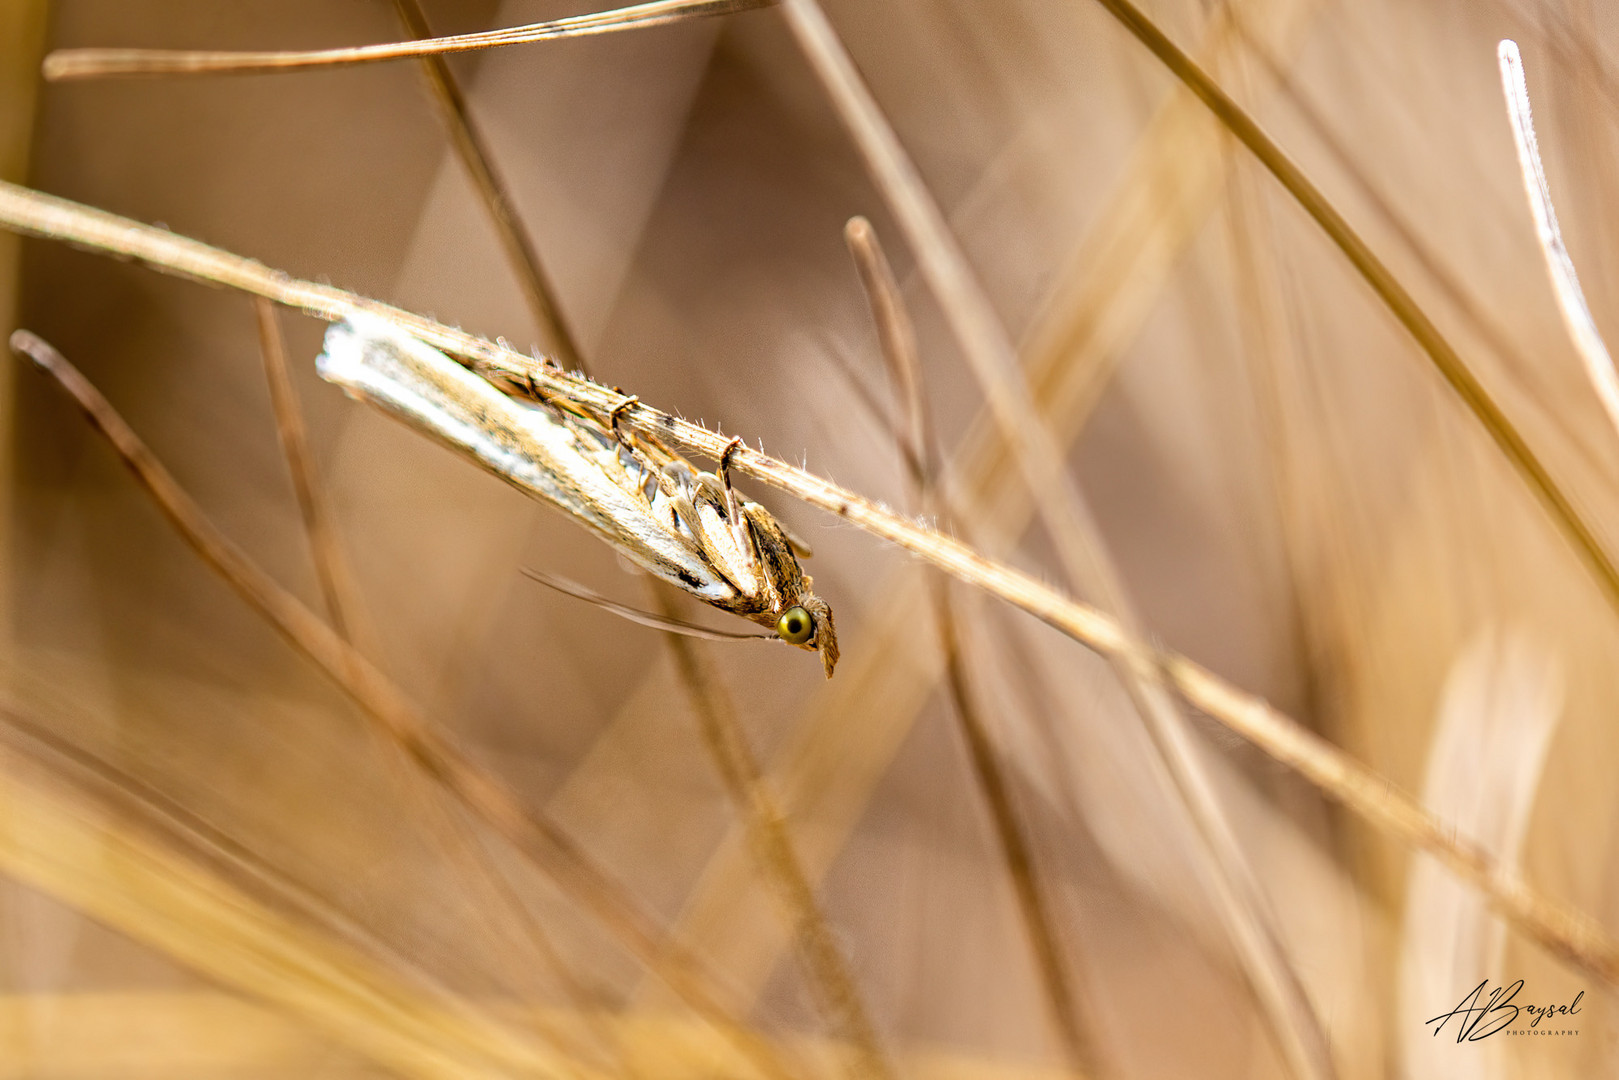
(1565, 282)
(111, 63)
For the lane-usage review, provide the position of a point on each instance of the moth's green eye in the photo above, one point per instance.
(795, 626)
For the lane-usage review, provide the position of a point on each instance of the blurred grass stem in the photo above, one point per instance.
(476, 158)
(107, 63)
(331, 568)
(897, 336)
(832, 984)
(1582, 327)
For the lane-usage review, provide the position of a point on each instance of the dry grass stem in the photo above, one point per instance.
(1072, 529)
(1565, 282)
(331, 568)
(897, 336)
(537, 839)
(1269, 341)
(1502, 702)
(108, 63)
(1388, 288)
(476, 158)
(1566, 934)
(831, 982)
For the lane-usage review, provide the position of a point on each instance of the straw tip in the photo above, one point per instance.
(58, 66)
(26, 343)
(1508, 50)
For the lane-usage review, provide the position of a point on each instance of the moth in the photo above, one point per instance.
(684, 526)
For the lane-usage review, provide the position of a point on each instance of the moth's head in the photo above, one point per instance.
(808, 624)
(798, 616)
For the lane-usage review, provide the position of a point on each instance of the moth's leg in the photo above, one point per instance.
(536, 397)
(725, 477)
(618, 411)
(627, 445)
(625, 442)
(733, 508)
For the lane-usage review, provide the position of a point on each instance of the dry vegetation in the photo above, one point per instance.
(1337, 452)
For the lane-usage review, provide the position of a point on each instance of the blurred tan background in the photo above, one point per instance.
(1295, 498)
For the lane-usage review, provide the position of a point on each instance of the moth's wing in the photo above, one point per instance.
(778, 563)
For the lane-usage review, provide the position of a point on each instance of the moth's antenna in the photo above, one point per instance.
(645, 618)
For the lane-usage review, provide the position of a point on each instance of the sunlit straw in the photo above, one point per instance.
(1565, 282)
(105, 63)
